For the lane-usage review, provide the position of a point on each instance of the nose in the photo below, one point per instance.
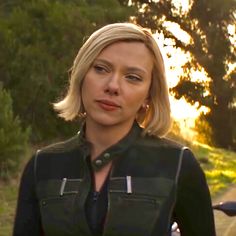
(113, 85)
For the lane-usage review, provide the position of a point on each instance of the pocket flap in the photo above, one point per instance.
(139, 185)
(56, 187)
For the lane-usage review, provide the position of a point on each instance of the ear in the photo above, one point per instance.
(145, 104)
(141, 114)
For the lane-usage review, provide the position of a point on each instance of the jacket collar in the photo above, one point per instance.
(112, 152)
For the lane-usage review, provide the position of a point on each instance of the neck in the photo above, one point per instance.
(103, 136)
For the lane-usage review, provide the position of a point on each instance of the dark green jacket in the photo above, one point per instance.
(152, 182)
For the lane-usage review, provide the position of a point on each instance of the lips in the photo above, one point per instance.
(108, 105)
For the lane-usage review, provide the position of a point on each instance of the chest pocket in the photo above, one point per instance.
(57, 199)
(136, 205)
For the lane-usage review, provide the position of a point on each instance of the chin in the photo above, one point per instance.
(104, 120)
(108, 123)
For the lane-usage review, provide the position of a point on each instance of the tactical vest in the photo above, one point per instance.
(141, 186)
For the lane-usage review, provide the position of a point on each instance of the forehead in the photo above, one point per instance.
(128, 45)
(131, 52)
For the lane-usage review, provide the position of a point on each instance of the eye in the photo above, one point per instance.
(100, 68)
(134, 78)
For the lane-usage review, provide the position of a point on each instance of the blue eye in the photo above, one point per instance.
(134, 78)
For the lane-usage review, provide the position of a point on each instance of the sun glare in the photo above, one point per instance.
(184, 113)
(177, 31)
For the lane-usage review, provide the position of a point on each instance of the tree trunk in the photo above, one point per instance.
(220, 120)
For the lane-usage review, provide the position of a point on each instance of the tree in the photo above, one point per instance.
(38, 42)
(13, 139)
(210, 47)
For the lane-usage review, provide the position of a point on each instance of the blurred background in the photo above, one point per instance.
(39, 40)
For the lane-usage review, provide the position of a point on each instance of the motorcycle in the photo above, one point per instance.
(229, 208)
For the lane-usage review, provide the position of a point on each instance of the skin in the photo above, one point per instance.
(114, 90)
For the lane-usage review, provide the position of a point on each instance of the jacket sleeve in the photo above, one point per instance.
(193, 210)
(27, 218)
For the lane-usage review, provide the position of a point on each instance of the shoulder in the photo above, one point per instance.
(60, 151)
(153, 141)
(158, 149)
(55, 160)
(61, 147)
(168, 148)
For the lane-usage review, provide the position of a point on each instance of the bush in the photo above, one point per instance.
(13, 139)
(204, 131)
(177, 134)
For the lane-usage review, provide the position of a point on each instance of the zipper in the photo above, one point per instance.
(108, 199)
(95, 196)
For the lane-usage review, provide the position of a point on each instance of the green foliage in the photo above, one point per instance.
(211, 48)
(8, 196)
(38, 42)
(177, 135)
(204, 131)
(219, 166)
(13, 140)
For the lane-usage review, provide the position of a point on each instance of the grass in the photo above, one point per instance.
(219, 166)
(8, 195)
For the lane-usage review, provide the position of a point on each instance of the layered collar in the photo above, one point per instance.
(113, 151)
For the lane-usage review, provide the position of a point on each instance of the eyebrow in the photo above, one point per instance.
(130, 69)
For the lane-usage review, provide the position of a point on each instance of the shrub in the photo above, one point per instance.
(13, 139)
(176, 133)
(204, 131)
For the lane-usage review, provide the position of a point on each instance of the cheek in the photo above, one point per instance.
(145, 94)
(91, 83)
(84, 91)
(87, 85)
(137, 99)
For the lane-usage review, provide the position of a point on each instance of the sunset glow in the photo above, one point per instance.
(182, 112)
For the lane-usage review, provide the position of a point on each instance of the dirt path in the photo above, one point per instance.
(225, 225)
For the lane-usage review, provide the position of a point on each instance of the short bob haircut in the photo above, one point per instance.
(156, 120)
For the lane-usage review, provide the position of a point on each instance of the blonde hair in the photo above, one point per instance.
(156, 120)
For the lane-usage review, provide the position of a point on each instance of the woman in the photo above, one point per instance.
(117, 176)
